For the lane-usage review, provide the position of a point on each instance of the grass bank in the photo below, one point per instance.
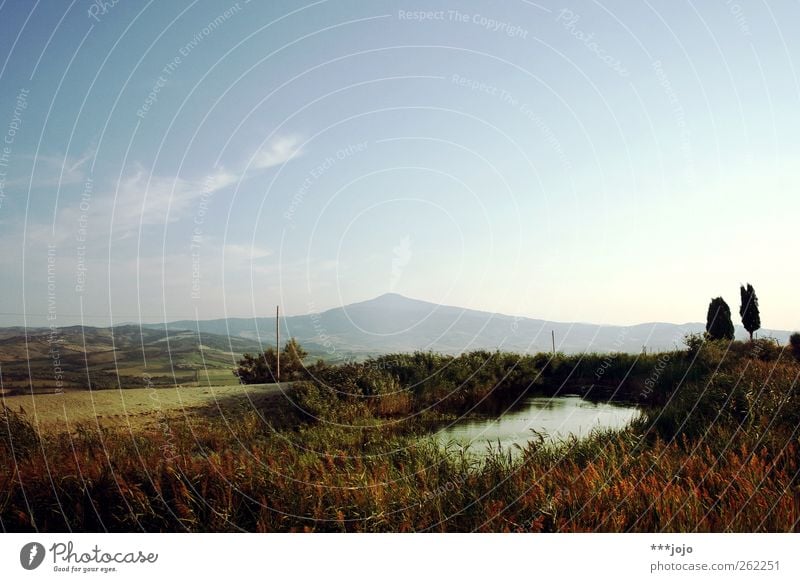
(717, 450)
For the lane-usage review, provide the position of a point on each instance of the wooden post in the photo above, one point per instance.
(553, 334)
(278, 342)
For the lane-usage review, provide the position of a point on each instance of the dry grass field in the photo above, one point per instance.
(134, 408)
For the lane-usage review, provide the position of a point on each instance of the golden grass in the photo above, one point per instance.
(721, 455)
(133, 407)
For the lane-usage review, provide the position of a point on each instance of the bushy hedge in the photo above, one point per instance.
(404, 383)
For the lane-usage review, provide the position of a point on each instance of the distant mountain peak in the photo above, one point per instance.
(390, 295)
(390, 300)
(395, 302)
(392, 322)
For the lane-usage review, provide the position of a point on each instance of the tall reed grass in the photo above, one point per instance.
(719, 452)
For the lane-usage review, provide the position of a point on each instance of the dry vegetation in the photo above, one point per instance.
(716, 451)
(131, 407)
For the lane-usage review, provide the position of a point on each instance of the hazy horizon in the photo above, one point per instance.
(65, 320)
(614, 164)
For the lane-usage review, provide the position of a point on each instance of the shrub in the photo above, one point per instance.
(357, 380)
(751, 395)
(17, 434)
(794, 342)
(694, 342)
(312, 400)
(766, 349)
(261, 368)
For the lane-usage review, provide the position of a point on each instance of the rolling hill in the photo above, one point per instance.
(131, 356)
(126, 356)
(392, 323)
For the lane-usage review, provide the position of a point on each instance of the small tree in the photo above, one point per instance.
(751, 318)
(794, 341)
(256, 369)
(718, 321)
(260, 369)
(292, 356)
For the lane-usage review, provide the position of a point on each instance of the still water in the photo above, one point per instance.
(554, 418)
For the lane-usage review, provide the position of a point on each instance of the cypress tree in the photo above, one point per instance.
(718, 322)
(751, 318)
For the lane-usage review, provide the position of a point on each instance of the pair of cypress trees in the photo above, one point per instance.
(718, 321)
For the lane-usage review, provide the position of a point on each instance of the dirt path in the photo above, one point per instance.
(134, 407)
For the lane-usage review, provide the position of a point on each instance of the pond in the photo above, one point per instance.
(555, 418)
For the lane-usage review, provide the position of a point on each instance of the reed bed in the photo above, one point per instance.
(718, 453)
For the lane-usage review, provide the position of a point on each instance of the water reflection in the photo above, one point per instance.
(552, 418)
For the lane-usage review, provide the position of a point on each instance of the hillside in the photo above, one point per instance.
(113, 357)
(174, 354)
(394, 323)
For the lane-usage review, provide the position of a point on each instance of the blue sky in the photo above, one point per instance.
(581, 161)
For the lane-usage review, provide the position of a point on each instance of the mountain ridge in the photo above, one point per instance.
(394, 322)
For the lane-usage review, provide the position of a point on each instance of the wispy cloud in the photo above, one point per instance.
(242, 253)
(279, 151)
(142, 199)
(53, 170)
(150, 200)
